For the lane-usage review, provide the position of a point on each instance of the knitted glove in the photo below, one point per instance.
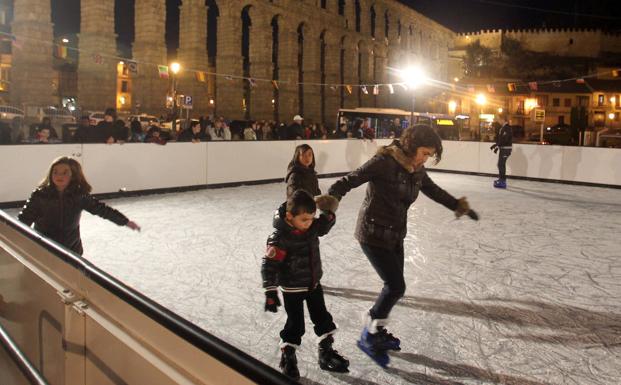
(462, 207)
(496, 150)
(271, 301)
(327, 203)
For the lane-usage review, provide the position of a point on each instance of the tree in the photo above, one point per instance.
(478, 60)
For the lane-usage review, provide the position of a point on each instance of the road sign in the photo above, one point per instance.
(187, 102)
(539, 115)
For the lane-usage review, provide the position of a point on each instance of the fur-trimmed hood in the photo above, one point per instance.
(395, 151)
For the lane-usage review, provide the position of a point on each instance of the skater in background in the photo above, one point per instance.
(504, 143)
(292, 261)
(396, 174)
(56, 205)
(301, 172)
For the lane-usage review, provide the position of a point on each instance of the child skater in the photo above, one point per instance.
(292, 262)
(396, 174)
(57, 203)
(301, 172)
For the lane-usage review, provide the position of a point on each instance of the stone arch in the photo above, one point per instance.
(301, 31)
(372, 20)
(246, 15)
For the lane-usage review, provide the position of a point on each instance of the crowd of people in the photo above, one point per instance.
(115, 130)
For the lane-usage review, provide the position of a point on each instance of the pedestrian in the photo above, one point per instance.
(301, 172)
(56, 205)
(503, 145)
(292, 262)
(395, 176)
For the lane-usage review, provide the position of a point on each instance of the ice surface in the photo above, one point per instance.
(529, 295)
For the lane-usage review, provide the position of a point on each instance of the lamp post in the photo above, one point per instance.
(174, 68)
(413, 77)
(481, 101)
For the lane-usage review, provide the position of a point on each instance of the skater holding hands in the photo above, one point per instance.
(292, 261)
(395, 176)
(56, 205)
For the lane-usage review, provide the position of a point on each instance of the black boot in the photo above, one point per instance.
(289, 362)
(330, 359)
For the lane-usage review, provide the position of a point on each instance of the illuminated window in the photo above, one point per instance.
(600, 100)
(567, 102)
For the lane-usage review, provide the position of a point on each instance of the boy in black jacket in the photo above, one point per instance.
(504, 143)
(292, 261)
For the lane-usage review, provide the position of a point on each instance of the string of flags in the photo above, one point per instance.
(61, 51)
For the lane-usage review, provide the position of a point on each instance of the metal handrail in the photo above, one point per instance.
(20, 359)
(229, 355)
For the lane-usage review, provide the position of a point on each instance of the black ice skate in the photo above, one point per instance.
(289, 362)
(330, 359)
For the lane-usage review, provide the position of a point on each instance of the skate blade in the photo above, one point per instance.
(381, 359)
(336, 370)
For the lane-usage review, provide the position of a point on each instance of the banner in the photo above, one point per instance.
(162, 71)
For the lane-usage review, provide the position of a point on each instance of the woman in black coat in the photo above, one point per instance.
(301, 172)
(56, 205)
(396, 174)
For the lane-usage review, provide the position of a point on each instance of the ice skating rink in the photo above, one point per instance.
(530, 294)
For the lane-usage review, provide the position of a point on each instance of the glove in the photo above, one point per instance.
(327, 203)
(462, 207)
(495, 150)
(271, 301)
(494, 147)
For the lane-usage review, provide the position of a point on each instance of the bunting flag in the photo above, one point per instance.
(201, 77)
(376, 90)
(580, 81)
(333, 88)
(16, 44)
(227, 77)
(532, 86)
(252, 82)
(403, 86)
(275, 84)
(511, 87)
(348, 88)
(391, 89)
(97, 58)
(471, 89)
(132, 67)
(364, 90)
(491, 89)
(61, 51)
(162, 71)
(616, 72)
(556, 84)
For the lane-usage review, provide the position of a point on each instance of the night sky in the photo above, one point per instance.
(458, 15)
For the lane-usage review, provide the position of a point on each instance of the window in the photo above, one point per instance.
(2, 17)
(124, 86)
(617, 101)
(561, 119)
(341, 7)
(542, 100)
(567, 102)
(556, 102)
(583, 101)
(323, 4)
(600, 100)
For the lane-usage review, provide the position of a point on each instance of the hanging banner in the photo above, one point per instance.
(391, 89)
(376, 90)
(275, 84)
(364, 90)
(532, 86)
(162, 71)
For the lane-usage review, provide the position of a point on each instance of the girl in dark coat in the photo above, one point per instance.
(56, 205)
(301, 172)
(396, 174)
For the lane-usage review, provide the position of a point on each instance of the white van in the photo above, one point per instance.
(144, 119)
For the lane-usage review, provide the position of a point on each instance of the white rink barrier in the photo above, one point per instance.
(139, 166)
(78, 325)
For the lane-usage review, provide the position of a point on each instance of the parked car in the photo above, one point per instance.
(96, 117)
(181, 124)
(560, 134)
(144, 119)
(8, 113)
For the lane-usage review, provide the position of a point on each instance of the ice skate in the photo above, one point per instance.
(289, 363)
(330, 359)
(500, 184)
(372, 345)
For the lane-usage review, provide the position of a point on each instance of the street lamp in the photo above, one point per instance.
(174, 68)
(413, 77)
(452, 106)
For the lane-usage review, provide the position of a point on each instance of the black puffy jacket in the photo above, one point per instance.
(292, 260)
(58, 216)
(300, 177)
(504, 137)
(393, 186)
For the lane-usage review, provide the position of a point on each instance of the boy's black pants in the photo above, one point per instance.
(294, 306)
(502, 163)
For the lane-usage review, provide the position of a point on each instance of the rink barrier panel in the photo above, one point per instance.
(15, 368)
(115, 170)
(79, 325)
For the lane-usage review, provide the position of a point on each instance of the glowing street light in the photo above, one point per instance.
(452, 106)
(529, 104)
(175, 67)
(500, 110)
(413, 77)
(481, 100)
(611, 116)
